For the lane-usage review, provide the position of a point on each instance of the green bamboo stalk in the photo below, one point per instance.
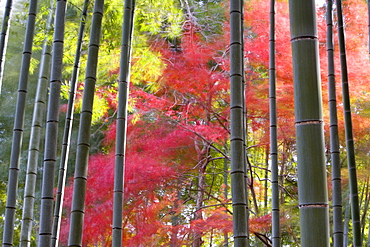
(4, 38)
(334, 139)
(226, 193)
(121, 129)
(18, 127)
(266, 182)
(347, 215)
(237, 107)
(368, 238)
(312, 188)
(34, 145)
(355, 208)
(245, 116)
(365, 208)
(51, 136)
(68, 129)
(83, 144)
(275, 236)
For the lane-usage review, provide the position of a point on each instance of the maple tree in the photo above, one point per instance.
(193, 123)
(176, 192)
(358, 74)
(183, 118)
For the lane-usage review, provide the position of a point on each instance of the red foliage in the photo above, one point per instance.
(217, 219)
(260, 224)
(194, 83)
(193, 101)
(156, 156)
(256, 46)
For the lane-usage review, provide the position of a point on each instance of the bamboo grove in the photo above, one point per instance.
(185, 123)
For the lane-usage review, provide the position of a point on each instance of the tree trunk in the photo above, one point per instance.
(11, 197)
(198, 215)
(282, 176)
(83, 145)
(203, 154)
(266, 182)
(312, 186)
(250, 182)
(175, 219)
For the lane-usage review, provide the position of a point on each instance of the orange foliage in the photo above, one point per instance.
(192, 101)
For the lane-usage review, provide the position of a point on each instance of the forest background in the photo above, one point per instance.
(177, 163)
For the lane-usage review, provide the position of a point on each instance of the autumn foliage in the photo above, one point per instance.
(187, 109)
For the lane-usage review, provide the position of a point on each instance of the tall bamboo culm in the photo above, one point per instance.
(83, 143)
(368, 238)
(35, 137)
(121, 129)
(334, 139)
(237, 106)
(51, 134)
(226, 192)
(355, 208)
(276, 240)
(18, 128)
(347, 213)
(312, 186)
(245, 115)
(68, 129)
(4, 38)
(245, 121)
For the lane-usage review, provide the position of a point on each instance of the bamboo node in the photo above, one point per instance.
(316, 205)
(309, 122)
(303, 38)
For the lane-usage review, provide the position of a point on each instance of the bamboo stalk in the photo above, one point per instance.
(312, 186)
(35, 137)
(275, 236)
(52, 121)
(4, 38)
(365, 211)
(226, 194)
(237, 107)
(83, 143)
(121, 129)
(334, 139)
(68, 129)
(245, 121)
(18, 127)
(368, 238)
(347, 215)
(351, 161)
